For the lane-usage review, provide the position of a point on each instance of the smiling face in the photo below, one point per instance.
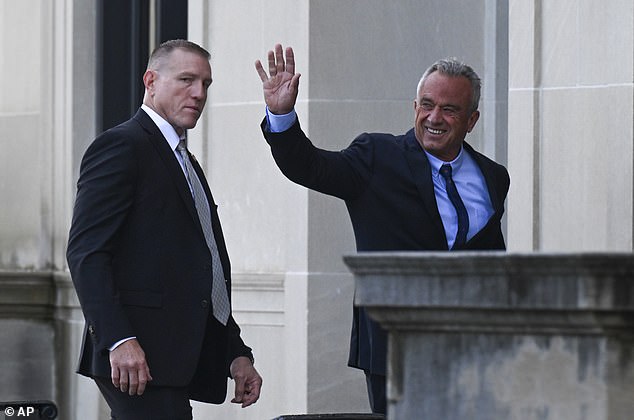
(176, 88)
(443, 114)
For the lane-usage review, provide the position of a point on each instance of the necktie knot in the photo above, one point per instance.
(182, 146)
(445, 171)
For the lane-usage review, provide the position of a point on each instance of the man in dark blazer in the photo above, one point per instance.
(423, 190)
(141, 263)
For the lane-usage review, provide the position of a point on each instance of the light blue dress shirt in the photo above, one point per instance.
(472, 189)
(466, 175)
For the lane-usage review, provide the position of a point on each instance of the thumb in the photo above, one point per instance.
(239, 391)
(294, 85)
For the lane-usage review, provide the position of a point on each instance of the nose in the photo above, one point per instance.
(435, 115)
(199, 90)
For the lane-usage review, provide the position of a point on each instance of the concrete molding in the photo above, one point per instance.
(26, 294)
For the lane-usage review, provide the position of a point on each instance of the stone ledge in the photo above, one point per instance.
(36, 294)
(26, 294)
(512, 321)
(495, 280)
(484, 335)
(338, 416)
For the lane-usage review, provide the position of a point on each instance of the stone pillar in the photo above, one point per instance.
(495, 335)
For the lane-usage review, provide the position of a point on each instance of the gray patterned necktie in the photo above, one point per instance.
(219, 297)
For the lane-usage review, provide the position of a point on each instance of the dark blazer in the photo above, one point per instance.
(140, 264)
(386, 183)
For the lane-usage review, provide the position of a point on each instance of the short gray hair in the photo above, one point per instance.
(453, 68)
(166, 48)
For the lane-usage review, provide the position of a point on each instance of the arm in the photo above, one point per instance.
(247, 380)
(105, 193)
(343, 174)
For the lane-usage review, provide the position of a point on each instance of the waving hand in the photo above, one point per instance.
(281, 85)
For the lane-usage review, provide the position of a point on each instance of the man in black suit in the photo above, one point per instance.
(423, 190)
(144, 245)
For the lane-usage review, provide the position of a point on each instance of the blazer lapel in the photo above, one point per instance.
(488, 173)
(421, 175)
(171, 163)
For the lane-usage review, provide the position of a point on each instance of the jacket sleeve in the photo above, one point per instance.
(343, 174)
(237, 347)
(105, 192)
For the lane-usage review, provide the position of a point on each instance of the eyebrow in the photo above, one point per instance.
(186, 73)
(447, 105)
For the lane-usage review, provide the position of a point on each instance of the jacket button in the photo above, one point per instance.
(204, 303)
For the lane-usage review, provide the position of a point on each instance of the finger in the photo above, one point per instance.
(290, 60)
(123, 381)
(252, 393)
(279, 58)
(294, 84)
(142, 383)
(272, 69)
(249, 399)
(260, 70)
(114, 374)
(133, 383)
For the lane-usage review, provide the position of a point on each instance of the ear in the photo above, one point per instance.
(149, 77)
(473, 119)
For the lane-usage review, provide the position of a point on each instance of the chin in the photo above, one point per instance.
(187, 125)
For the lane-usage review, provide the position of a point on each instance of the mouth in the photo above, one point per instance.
(434, 131)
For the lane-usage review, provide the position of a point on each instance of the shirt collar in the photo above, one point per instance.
(437, 163)
(166, 128)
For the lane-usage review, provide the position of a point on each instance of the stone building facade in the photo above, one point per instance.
(557, 109)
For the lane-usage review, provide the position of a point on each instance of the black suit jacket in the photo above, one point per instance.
(140, 264)
(386, 183)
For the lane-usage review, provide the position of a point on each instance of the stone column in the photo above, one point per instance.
(497, 335)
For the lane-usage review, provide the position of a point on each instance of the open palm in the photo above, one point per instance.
(281, 85)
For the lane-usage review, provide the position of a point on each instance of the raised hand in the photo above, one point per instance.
(281, 85)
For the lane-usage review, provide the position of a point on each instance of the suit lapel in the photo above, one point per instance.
(489, 178)
(171, 163)
(421, 175)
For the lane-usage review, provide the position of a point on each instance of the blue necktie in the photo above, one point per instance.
(461, 211)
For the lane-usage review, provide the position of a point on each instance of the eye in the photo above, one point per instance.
(427, 106)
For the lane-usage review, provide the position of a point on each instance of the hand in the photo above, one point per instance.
(281, 87)
(248, 381)
(129, 370)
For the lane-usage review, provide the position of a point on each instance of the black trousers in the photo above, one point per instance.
(376, 392)
(157, 402)
(164, 402)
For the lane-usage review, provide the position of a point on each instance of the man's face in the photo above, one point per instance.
(443, 115)
(177, 89)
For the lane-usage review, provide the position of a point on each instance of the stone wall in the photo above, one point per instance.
(568, 66)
